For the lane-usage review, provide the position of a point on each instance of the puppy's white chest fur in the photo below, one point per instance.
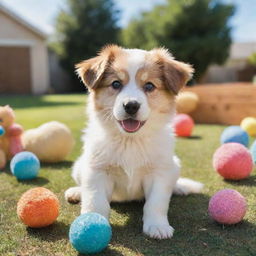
(126, 160)
(126, 187)
(127, 167)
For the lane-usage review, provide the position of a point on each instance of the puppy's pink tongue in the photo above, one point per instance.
(130, 125)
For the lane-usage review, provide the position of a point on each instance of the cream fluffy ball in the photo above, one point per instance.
(50, 142)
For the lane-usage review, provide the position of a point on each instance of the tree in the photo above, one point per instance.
(252, 59)
(81, 30)
(195, 31)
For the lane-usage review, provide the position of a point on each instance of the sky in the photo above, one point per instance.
(42, 13)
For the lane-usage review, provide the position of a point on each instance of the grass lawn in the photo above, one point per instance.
(195, 234)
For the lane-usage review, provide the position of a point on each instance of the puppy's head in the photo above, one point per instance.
(131, 87)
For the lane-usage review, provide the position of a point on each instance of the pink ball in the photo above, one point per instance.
(183, 125)
(227, 206)
(233, 161)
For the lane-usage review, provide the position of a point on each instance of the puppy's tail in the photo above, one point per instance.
(186, 186)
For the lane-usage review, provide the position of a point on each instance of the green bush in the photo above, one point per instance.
(252, 59)
(195, 31)
(82, 28)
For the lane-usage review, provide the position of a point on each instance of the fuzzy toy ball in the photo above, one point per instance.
(90, 233)
(253, 151)
(235, 134)
(38, 207)
(183, 125)
(186, 102)
(227, 206)
(51, 142)
(233, 161)
(249, 125)
(2, 130)
(25, 166)
(10, 135)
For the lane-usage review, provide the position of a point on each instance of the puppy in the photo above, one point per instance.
(128, 149)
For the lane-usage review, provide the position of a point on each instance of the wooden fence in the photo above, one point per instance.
(225, 103)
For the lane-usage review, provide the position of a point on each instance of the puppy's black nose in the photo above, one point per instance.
(131, 107)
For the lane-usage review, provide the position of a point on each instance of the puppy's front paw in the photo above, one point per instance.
(73, 195)
(157, 231)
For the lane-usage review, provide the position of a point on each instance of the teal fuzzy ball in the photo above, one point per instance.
(25, 166)
(90, 233)
(2, 130)
(235, 134)
(253, 151)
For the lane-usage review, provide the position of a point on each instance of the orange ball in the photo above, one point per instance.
(38, 207)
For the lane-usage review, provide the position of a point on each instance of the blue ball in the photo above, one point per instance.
(2, 130)
(90, 233)
(253, 151)
(25, 166)
(235, 134)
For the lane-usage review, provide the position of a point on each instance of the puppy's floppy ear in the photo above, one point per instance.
(175, 74)
(91, 71)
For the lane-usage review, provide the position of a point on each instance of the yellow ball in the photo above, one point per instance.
(249, 125)
(186, 102)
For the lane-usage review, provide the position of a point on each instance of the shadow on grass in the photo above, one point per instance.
(194, 137)
(38, 181)
(59, 231)
(32, 101)
(56, 231)
(59, 165)
(184, 213)
(107, 251)
(194, 231)
(250, 181)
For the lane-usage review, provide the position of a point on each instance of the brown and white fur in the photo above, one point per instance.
(121, 162)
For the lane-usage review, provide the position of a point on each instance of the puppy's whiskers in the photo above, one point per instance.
(108, 114)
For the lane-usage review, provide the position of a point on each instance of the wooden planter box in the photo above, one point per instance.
(224, 103)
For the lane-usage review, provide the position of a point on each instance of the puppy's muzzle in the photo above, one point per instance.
(131, 107)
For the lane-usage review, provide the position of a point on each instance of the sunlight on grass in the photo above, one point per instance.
(195, 233)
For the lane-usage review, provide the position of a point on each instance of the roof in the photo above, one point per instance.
(6, 10)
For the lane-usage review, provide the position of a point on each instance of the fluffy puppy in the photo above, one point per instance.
(128, 149)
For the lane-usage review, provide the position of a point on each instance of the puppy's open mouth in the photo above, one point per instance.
(131, 125)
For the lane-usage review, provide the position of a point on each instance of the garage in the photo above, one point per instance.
(23, 56)
(15, 70)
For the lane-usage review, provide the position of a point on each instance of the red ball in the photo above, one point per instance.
(183, 125)
(227, 206)
(233, 161)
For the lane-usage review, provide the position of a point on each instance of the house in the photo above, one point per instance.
(236, 67)
(23, 56)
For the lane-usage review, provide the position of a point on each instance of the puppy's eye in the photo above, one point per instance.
(149, 87)
(1, 120)
(116, 85)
